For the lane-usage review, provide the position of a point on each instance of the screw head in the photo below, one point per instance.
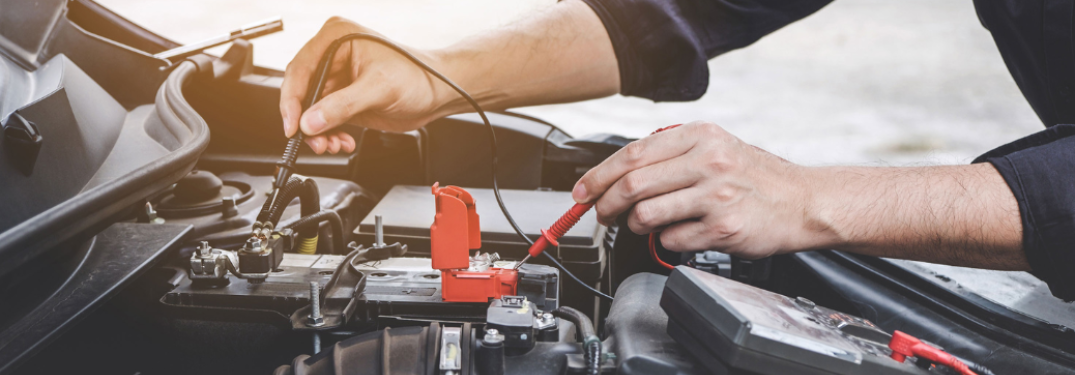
(493, 336)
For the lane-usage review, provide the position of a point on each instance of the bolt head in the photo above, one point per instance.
(493, 336)
(204, 249)
(315, 322)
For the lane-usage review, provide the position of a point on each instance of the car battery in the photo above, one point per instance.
(408, 211)
(401, 289)
(735, 328)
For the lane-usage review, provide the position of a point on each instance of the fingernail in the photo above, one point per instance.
(315, 122)
(579, 193)
(287, 125)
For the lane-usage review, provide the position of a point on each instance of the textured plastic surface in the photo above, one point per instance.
(899, 304)
(636, 327)
(730, 325)
(105, 265)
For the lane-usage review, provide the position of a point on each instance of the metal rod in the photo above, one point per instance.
(249, 31)
(315, 300)
(520, 264)
(378, 231)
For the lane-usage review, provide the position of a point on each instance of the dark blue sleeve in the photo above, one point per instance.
(663, 45)
(1040, 170)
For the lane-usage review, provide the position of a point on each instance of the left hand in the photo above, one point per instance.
(705, 189)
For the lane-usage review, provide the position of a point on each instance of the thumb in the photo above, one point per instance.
(336, 108)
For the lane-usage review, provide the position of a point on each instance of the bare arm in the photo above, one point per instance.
(706, 189)
(960, 215)
(559, 55)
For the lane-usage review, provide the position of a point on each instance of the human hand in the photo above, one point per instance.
(705, 189)
(368, 84)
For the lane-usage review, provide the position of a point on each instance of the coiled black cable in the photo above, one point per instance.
(318, 84)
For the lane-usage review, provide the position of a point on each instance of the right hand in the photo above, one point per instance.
(369, 85)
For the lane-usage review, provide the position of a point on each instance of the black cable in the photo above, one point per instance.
(312, 223)
(573, 277)
(319, 85)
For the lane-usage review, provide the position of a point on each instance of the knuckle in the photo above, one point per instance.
(645, 214)
(711, 129)
(718, 162)
(334, 20)
(671, 241)
(601, 211)
(634, 152)
(633, 184)
(725, 228)
(725, 194)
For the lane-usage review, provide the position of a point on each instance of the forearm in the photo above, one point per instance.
(561, 55)
(959, 215)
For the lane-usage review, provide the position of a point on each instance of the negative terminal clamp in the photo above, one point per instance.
(209, 265)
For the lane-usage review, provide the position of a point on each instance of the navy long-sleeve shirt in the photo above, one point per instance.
(662, 47)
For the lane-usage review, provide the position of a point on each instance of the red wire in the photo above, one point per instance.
(653, 251)
(653, 236)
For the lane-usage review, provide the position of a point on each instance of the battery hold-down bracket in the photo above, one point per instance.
(455, 231)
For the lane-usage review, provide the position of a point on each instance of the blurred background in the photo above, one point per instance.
(871, 82)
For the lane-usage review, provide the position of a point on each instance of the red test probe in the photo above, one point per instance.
(557, 230)
(570, 218)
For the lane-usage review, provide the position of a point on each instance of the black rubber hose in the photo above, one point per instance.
(591, 343)
(313, 221)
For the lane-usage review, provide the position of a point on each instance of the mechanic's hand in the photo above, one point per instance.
(369, 85)
(706, 190)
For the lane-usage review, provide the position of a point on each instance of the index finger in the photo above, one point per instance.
(298, 73)
(638, 154)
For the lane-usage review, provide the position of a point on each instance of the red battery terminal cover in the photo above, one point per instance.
(456, 231)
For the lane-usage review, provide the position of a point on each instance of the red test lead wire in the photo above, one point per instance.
(653, 236)
(904, 345)
(557, 230)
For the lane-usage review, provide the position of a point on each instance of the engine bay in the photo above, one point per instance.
(141, 234)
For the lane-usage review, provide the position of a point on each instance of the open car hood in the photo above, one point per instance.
(91, 126)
